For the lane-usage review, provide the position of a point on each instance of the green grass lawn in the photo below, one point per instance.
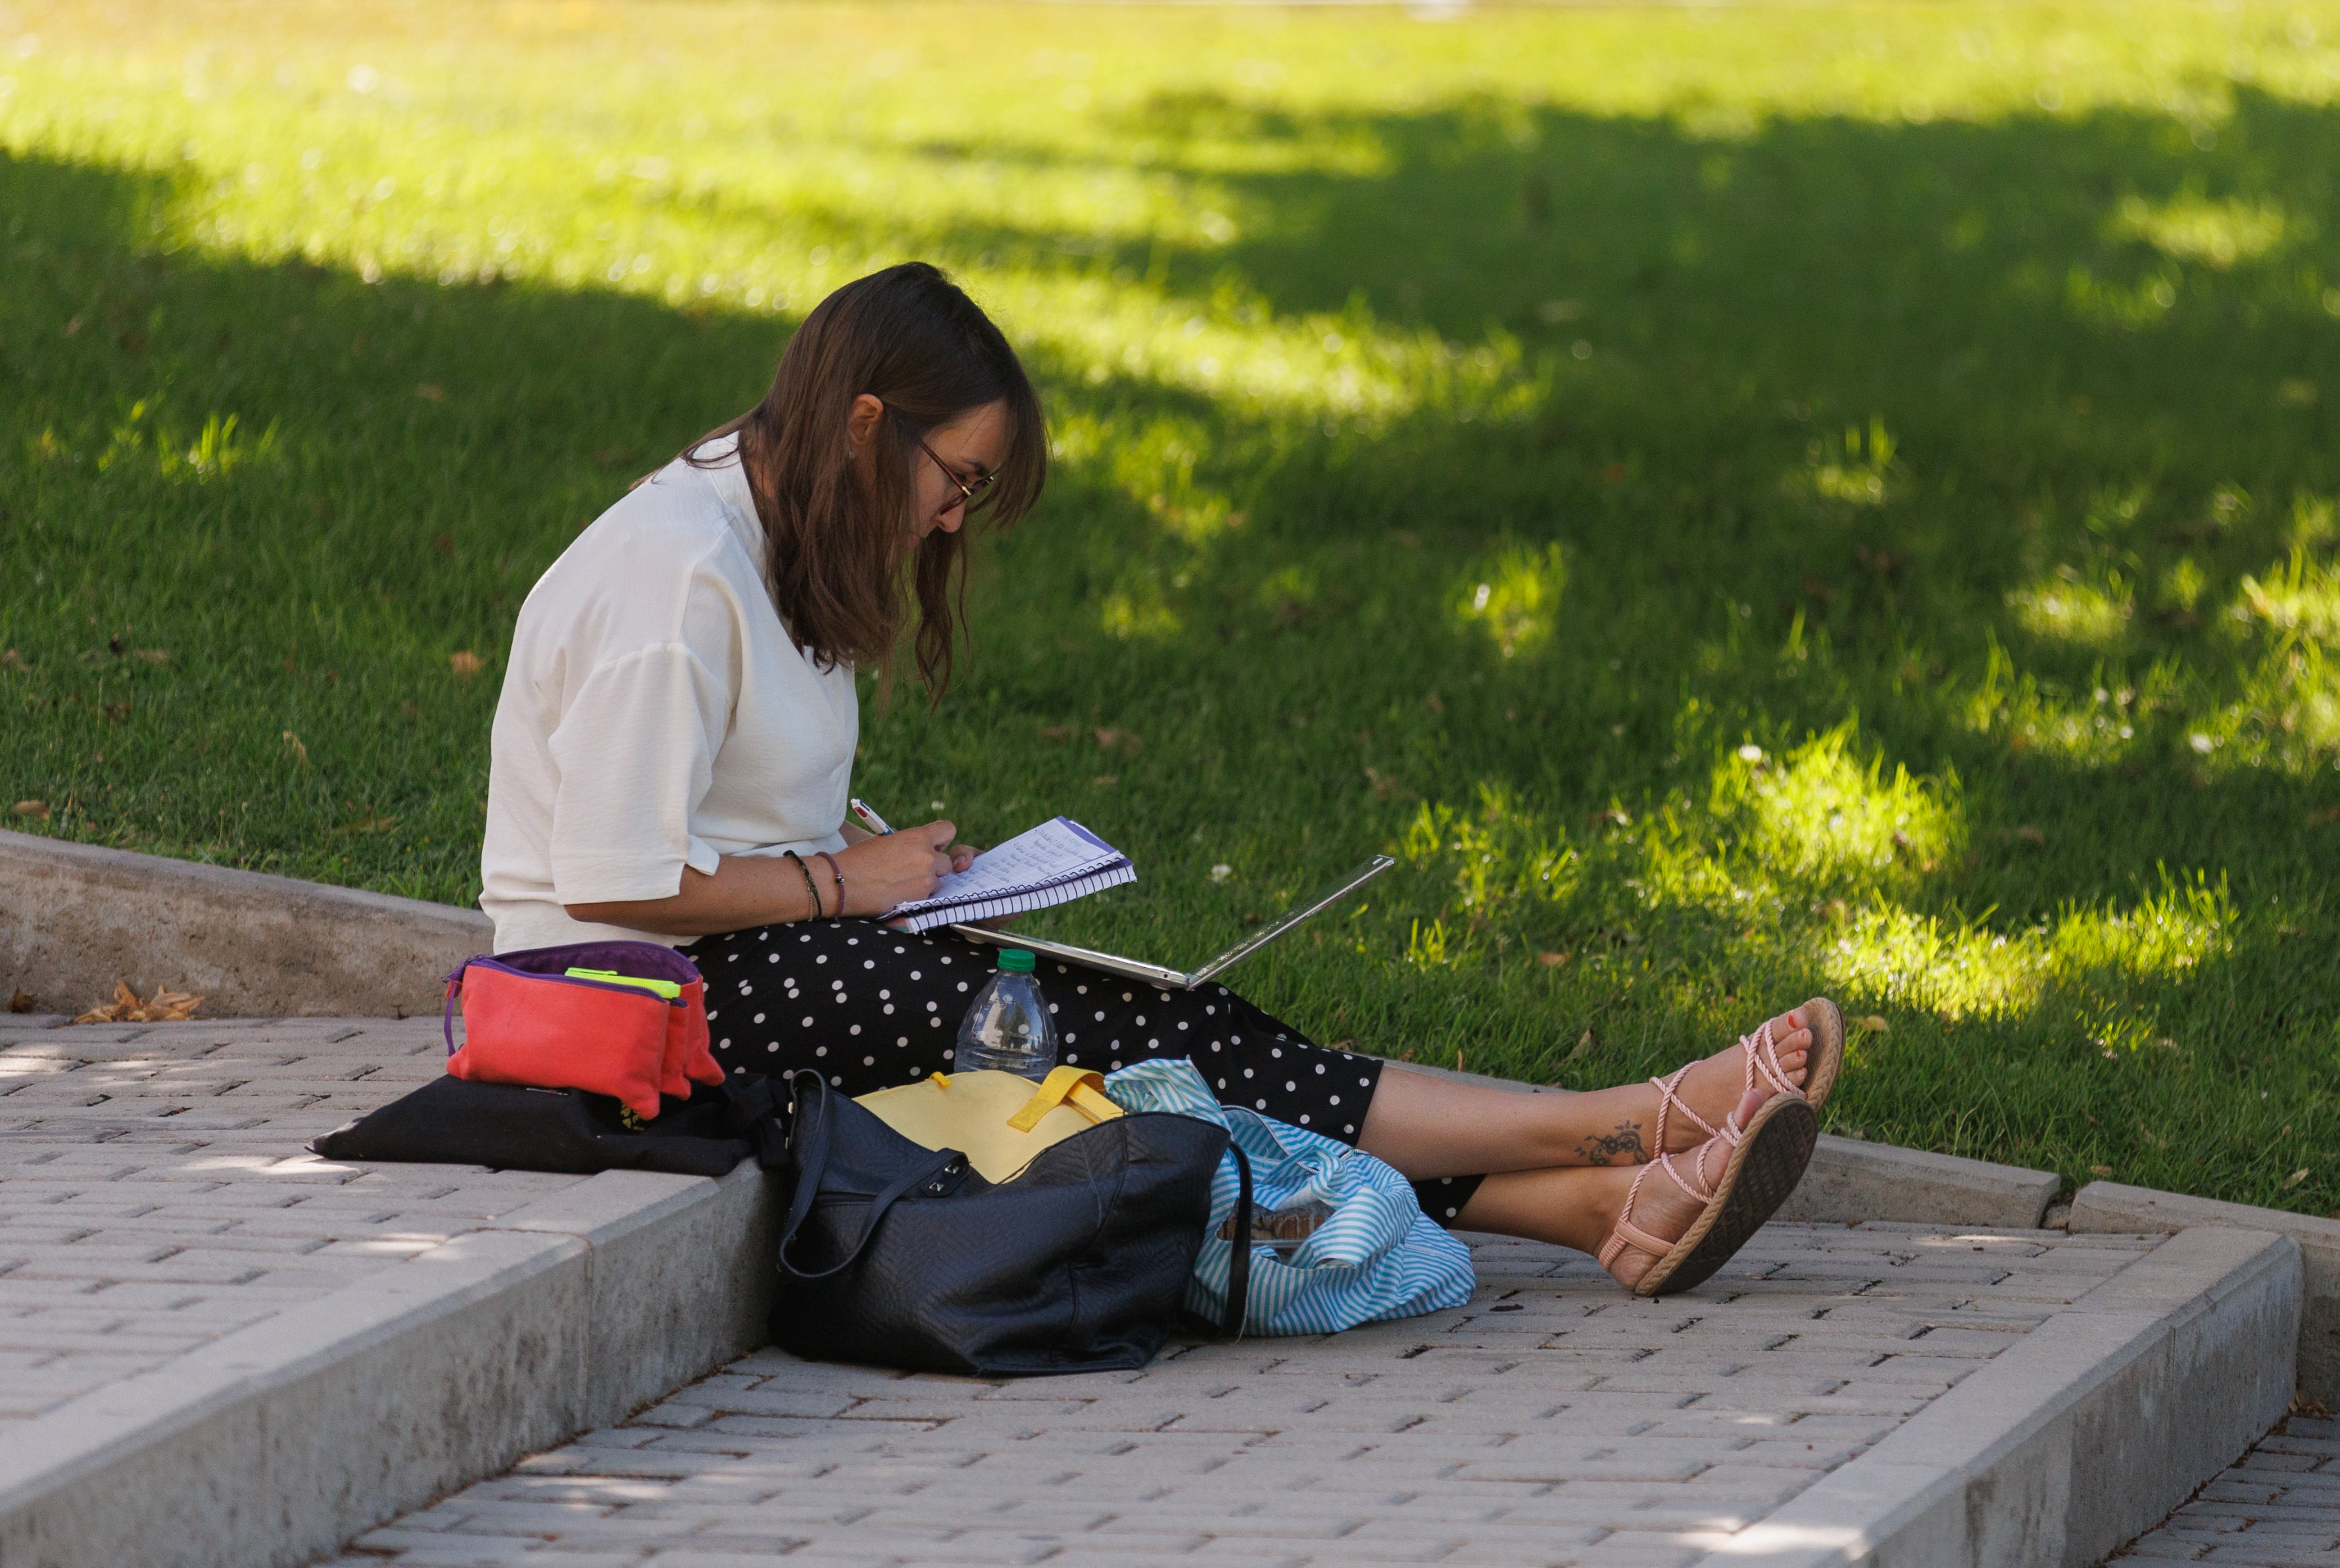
(1744, 502)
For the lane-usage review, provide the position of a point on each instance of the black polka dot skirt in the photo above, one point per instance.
(872, 1007)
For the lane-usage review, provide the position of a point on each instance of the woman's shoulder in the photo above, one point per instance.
(637, 565)
(671, 522)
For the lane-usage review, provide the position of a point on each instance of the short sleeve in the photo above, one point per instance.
(636, 754)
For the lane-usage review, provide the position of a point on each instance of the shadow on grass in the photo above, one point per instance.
(1707, 317)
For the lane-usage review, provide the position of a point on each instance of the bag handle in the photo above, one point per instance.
(1079, 1088)
(1238, 1260)
(811, 1129)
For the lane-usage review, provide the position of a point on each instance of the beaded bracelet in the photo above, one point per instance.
(810, 891)
(830, 861)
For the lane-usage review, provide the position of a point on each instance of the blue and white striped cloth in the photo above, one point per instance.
(1378, 1256)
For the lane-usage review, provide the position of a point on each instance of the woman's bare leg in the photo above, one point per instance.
(1430, 1127)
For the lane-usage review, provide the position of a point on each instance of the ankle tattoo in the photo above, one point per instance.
(1623, 1146)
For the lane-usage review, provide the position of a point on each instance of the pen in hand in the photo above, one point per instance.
(861, 812)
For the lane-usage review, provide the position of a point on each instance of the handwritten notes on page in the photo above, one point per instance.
(1055, 863)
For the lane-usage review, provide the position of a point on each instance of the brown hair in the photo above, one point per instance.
(840, 562)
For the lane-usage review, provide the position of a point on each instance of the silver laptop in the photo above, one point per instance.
(1169, 980)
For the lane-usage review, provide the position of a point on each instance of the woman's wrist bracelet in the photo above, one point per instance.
(826, 859)
(811, 891)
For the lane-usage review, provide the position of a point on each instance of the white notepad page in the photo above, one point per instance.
(1054, 863)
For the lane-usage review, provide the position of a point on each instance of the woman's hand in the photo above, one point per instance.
(896, 868)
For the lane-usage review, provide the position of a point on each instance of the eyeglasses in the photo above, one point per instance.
(967, 492)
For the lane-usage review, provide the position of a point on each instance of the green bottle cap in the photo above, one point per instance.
(1015, 961)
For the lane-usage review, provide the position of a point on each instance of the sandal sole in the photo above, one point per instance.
(1763, 1170)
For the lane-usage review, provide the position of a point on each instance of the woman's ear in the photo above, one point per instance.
(862, 422)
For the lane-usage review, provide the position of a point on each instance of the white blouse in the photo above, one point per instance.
(655, 715)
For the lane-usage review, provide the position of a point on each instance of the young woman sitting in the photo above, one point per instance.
(673, 751)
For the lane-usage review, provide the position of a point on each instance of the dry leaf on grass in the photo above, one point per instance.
(1871, 1025)
(36, 809)
(293, 744)
(166, 1007)
(466, 663)
(1552, 960)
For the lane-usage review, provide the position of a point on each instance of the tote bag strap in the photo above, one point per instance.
(1230, 1326)
(811, 1133)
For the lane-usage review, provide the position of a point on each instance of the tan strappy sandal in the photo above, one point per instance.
(1823, 1061)
(1767, 1157)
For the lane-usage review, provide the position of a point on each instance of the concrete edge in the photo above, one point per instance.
(247, 942)
(276, 1444)
(2106, 1205)
(2070, 1444)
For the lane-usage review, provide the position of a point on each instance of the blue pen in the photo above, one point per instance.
(868, 819)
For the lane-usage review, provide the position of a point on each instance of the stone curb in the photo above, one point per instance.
(278, 1442)
(2106, 1205)
(1851, 1180)
(76, 917)
(2076, 1439)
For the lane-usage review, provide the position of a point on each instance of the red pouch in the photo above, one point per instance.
(688, 1056)
(526, 1021)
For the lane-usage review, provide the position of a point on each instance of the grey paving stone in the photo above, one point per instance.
(2268, 1509)
(129, 1234)
(1583, 1429)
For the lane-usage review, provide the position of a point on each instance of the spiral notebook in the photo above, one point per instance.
(1055, 863)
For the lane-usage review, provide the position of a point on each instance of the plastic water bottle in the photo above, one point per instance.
(1009, 1028)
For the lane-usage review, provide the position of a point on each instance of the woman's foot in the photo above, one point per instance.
(1798, 1052)
(1684, 1215)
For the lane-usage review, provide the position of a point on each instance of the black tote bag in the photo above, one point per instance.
(900, 1255)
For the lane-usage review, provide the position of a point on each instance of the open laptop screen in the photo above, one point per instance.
(1323, 898)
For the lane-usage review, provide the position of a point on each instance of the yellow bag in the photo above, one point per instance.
(998, 1120)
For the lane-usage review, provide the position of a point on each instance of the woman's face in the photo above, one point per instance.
(965, 451)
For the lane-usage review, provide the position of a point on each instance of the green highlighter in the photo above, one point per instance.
(667, 988)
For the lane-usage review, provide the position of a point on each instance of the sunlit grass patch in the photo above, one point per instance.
(2069, 608)
(1515, 600)
(1855, 469)
(2189, 228)
(2302, 594)
(216, 450)
(1820, 819)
